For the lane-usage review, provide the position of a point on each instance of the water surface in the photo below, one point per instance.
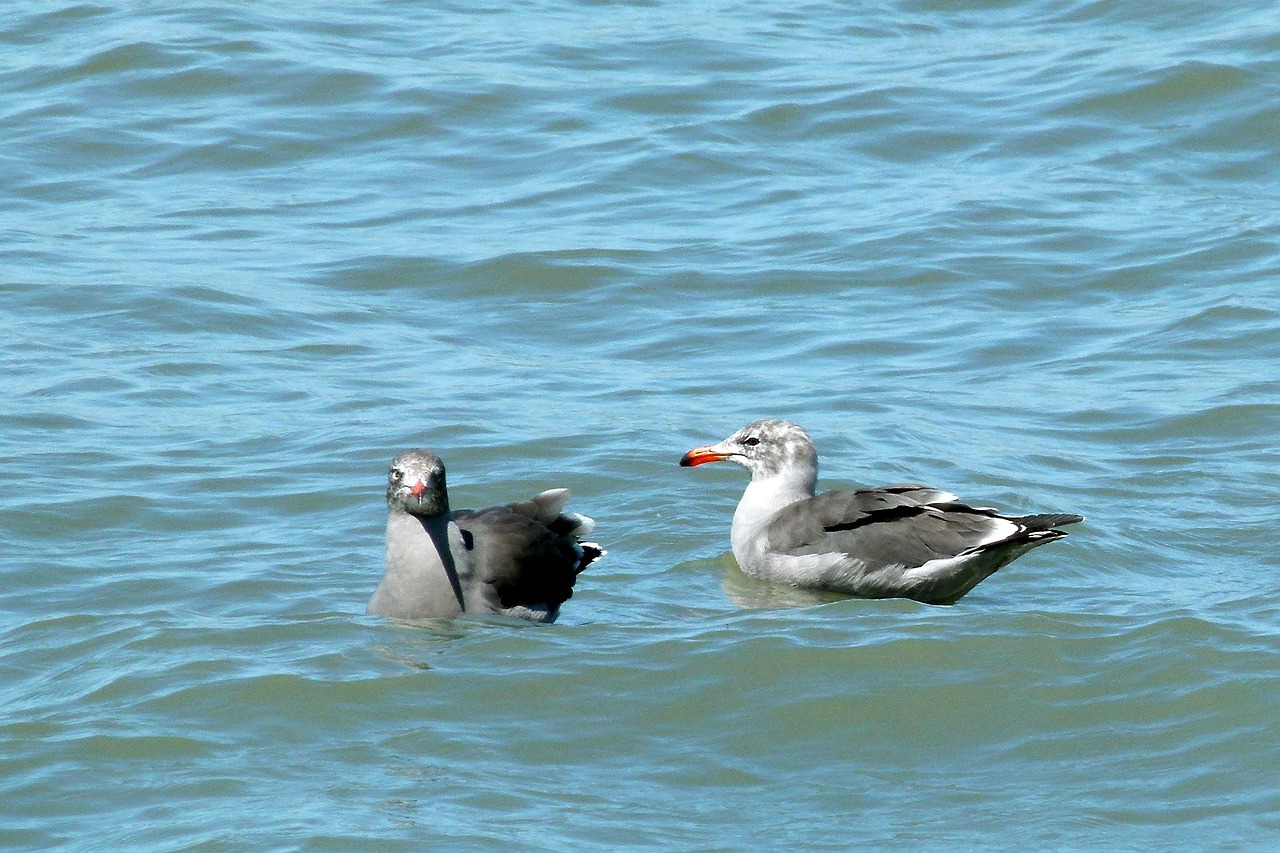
(1027, 252)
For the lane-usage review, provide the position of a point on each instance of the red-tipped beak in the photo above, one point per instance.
(417, 489)
(701, 456)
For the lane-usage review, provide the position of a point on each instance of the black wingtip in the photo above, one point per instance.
(590, 553)
(1049, 520)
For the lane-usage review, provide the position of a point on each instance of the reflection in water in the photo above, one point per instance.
(746, 591)
(418, 640)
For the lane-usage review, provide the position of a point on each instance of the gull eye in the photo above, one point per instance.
(397, 475)
(751, 442)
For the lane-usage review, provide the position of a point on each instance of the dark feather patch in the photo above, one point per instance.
(521, 559)
(955, 506)
(876, 516)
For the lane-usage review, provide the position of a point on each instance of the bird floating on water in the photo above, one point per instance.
(521, 559)
(903, 541)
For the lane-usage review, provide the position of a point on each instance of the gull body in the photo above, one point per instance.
(521, 559)
(901, 541)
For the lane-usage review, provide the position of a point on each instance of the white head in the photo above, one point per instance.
(767, 448)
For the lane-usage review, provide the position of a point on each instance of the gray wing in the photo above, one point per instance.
(898, 525)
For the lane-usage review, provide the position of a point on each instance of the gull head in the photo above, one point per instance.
(766, 448)
(416, 485)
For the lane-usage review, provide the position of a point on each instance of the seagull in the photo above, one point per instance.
(521, 559)
(904, 541)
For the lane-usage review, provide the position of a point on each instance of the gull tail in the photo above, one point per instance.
(1047, 521)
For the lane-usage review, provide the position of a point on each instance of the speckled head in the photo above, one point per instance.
(765, 447)
(416, 484)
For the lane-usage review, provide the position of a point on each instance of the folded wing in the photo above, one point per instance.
(527, 555)
(908, 541)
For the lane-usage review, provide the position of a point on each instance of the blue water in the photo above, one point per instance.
(1027, 252)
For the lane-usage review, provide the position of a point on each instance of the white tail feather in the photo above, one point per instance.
(552, 500)
(584, 524)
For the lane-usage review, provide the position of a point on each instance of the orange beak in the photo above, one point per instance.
(417, 489)
(701, 456)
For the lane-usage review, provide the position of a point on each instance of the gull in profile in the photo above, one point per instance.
(903, 541)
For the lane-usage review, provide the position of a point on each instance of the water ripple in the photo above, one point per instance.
(1023, 251)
